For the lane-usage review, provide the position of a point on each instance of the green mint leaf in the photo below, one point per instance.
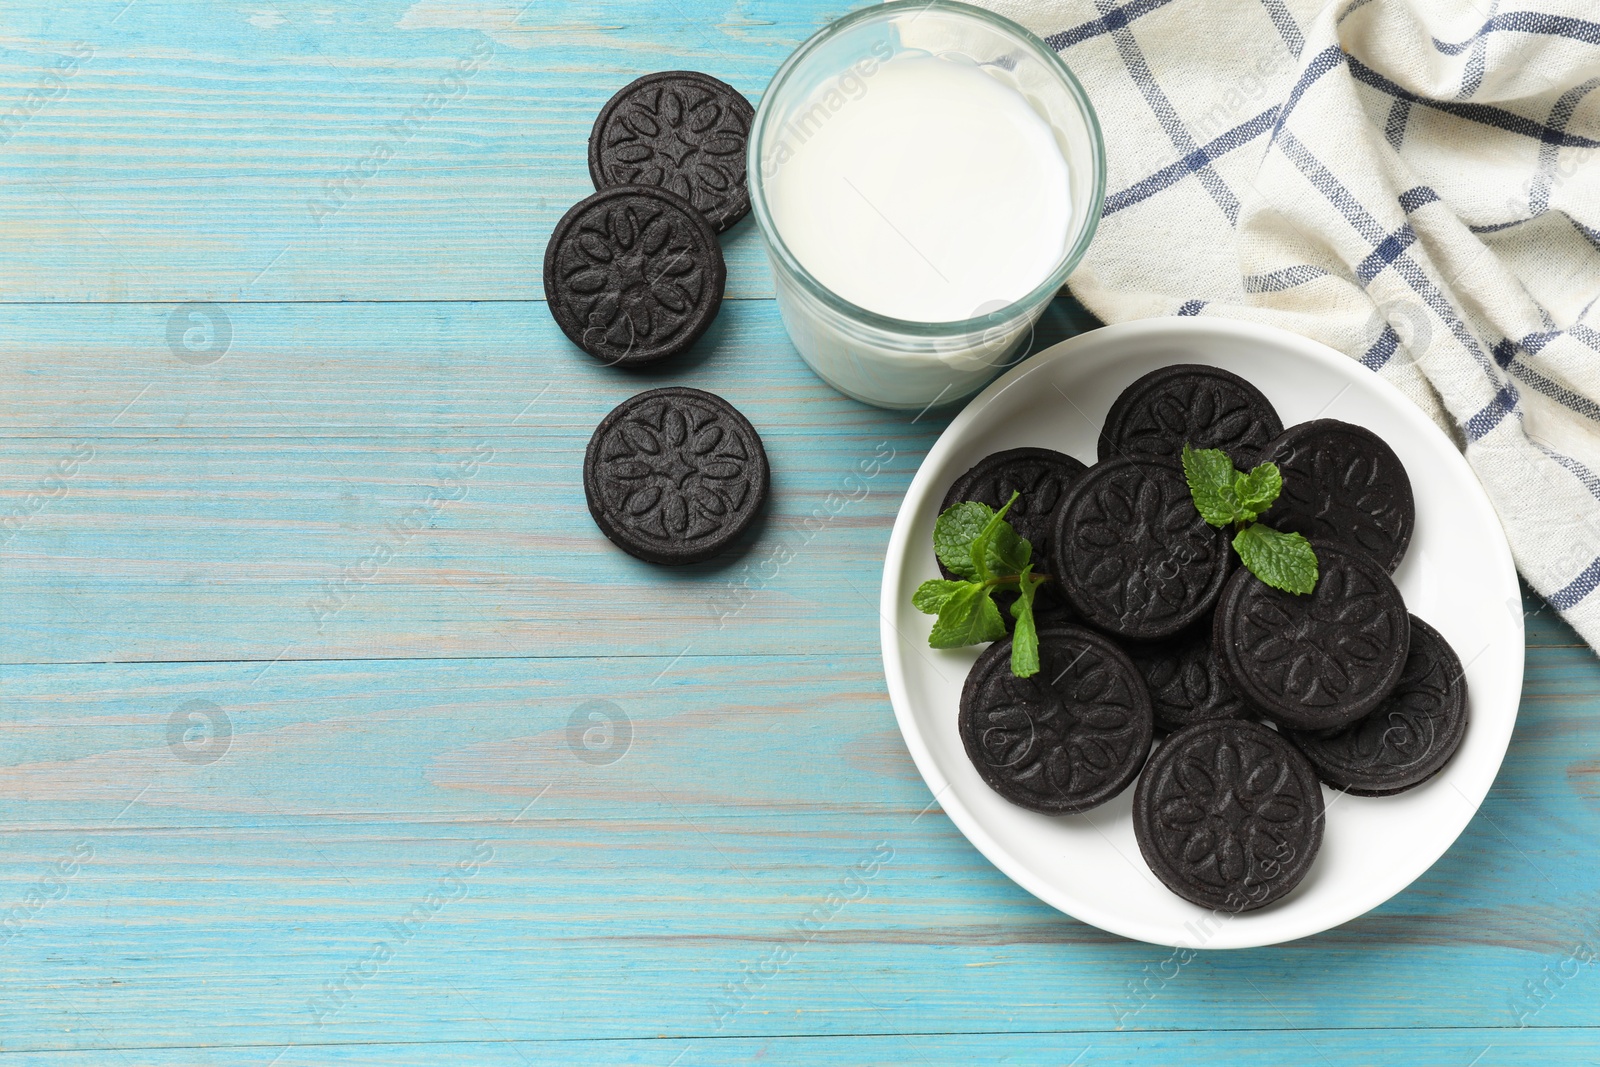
(1025, 636)
(953, 534)
(967, 617)
(1257, 490)
(1009, 553)
(932, 594)
(1210, 473)
(1282, 560)
(982, 544)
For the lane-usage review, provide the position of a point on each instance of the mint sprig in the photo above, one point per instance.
(1228, 497)
(977, 543)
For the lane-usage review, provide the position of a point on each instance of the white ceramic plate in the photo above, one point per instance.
(1457, 575)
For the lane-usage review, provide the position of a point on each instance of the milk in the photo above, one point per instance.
(929, 190)
(925, 175)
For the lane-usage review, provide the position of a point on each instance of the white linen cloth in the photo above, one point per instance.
(1413, 182)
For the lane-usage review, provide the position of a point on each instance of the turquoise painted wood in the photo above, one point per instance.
(510, 796)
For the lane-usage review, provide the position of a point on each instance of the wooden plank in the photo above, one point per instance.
(155, 508)
(1335, 1048)
(632, 897)
(396, 149)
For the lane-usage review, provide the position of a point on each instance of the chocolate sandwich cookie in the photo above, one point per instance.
(1133, 555)
(1342, 481)
(1042, 476)
(1228, 815)
(1205, 407)
(1322, 660)
(1187, 685)
(1065, 740)
(633, 274)
(1411, 735)
(674, 475)
(681, 131)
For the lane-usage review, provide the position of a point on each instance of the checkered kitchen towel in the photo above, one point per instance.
(1413, 182)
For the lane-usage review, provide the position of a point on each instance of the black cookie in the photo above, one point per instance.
(1206, 407)
(674, 475)
(681, 131)
(1133, 555)
(1043, 477)
(1228, 815)
(633, 274)
(1065, 740)
(1342, 481)
(1411, 735)
(1187, 685)
(1319, 661)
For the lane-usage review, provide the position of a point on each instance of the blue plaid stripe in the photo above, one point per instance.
(1497, 117)
(1587, 334)
(1559, 393)
(1382, 350)
(1580, 587)
(1287, 29)
(1167, 116)
(1191, 307)
(1279, 281)
(1493, 413)
(1321, 63)
(1388, 250)
(1416, 198)
(1472, 73)
(1532, 22)
(1572, 466)
(1394, 131)
(1329, 186)
(1173, 173)
(1364, 224)
(1589, 233)
(1114, 19)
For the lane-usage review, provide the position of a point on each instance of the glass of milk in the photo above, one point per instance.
(925, 176)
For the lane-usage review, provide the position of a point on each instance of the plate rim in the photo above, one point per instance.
(1164, 327)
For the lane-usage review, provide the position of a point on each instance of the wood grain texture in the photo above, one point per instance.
(593, 811)
(305, 150)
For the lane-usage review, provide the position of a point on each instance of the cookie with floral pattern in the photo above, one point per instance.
(1041, 478)
(1066, 739)
(1187, 685)
(633, 275)
(1228, 815)
(1132, 553)
(678, 130)
(1343, 481)
(675, 475)
(1411, 735)
(1189, 403)
(1321, 660)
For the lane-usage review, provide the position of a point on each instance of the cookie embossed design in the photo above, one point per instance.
(1133, 554)
(1342, 481)
(1187, 685)
(674, 475)
(1228, 815)
(680, 131)
(1411, 735)
(1318, 661)
(1207, 407)
(633, 275)
(1065, 740)
(1042, 477)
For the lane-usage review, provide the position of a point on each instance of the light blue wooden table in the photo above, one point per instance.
(334, 732)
